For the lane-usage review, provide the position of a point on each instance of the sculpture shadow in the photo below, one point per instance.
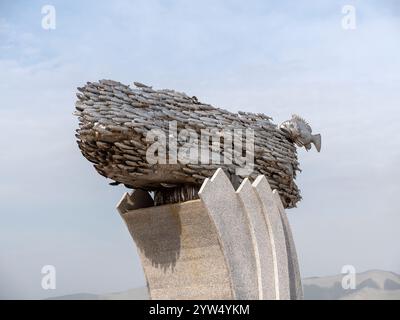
(157, 234)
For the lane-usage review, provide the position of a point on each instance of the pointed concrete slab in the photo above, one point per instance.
(261, 240)
(137, 200)
(277, 236)
(296, 288)
(231, 223)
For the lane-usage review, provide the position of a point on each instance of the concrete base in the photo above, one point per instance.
(226, 245)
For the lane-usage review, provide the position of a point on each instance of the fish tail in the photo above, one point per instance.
(316, 140)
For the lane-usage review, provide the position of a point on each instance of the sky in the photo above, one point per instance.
(274, 57)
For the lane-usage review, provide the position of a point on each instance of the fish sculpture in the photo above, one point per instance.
(300, 132)
(114, 124)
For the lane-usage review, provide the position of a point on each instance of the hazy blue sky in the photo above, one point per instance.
(275, 57)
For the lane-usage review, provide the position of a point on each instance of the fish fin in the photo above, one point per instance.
(300, 119)
(316, 140)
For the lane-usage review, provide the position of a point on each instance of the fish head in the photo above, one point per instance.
(289, 128)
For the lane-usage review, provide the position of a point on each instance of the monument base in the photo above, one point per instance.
(226, 245)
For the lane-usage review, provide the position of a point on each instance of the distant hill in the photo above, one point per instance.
(372, 284)
(77, 296)
(133, 294)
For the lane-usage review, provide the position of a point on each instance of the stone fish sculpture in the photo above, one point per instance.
(114, 119)
(300, 132)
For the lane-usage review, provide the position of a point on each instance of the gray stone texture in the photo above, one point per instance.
(277, 236)
(296, 288)
(114, 120)
(227, 245)
(261, 240)
(180, 252)
(231, 223)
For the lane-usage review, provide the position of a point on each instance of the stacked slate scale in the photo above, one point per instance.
(113, 122)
